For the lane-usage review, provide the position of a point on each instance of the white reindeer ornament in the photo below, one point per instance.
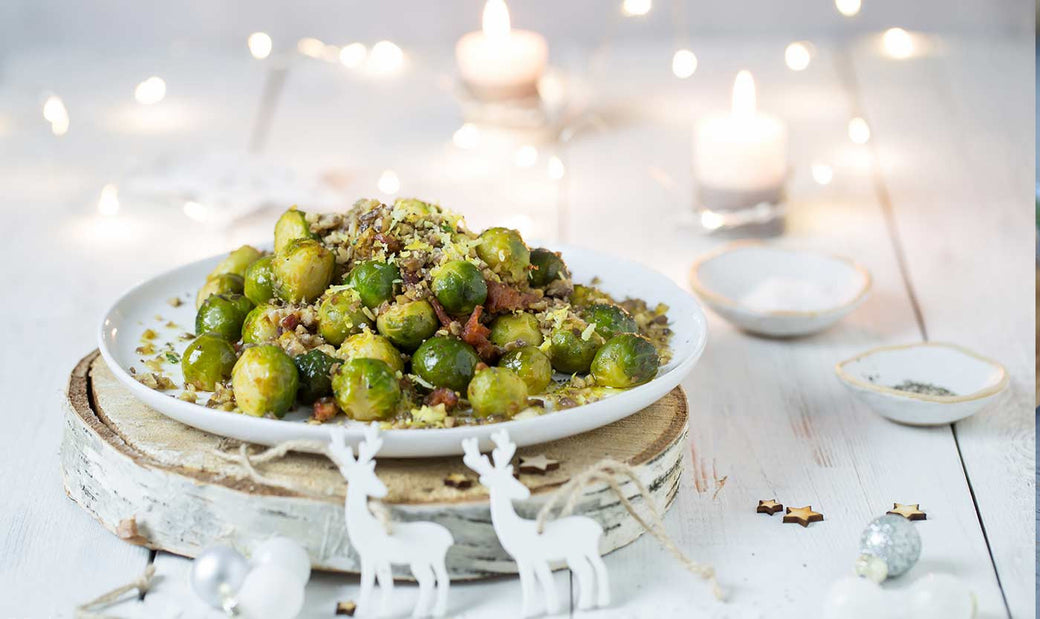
(420, 545)
(574, 539)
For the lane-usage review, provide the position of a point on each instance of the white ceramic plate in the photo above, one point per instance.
(139, 308)
(778, 292)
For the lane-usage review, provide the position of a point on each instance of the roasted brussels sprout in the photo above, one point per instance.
(626, 360)
(237, 261)
(368, 345)
(341, 314)
(315, 372)
(587, 295)
(610, 320)
(259, 281)
(516, 328)
(572, 349)
(375, 281)
(292, 225)
(497, 391)
(548, 266)
(459, 287)
(223, 315)
(260, 325)
(207, 361)
(366, 389)
(264, 380)
(412, 207)
(445, 361)
(223, 283)
(406, 325)
(531, 365)
(504, 251)
(302, 271)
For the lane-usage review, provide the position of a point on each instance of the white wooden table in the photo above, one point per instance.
(937, 206)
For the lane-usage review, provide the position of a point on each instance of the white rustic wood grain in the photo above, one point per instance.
(954, 144)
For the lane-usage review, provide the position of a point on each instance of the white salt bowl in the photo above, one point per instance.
(779, 292)
(975, 381)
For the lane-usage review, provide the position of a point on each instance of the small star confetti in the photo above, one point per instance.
(539, 465)
(458, 480)
(802, 515)
(346, 608)
(908, 511)
(769, 507)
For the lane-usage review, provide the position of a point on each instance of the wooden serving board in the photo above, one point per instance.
(124, 462)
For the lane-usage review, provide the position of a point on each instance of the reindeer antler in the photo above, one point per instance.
(504, 449)
(371, 445)
(339, 451)
(473, 458)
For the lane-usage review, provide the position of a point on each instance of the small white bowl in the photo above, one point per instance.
(974, 380)
(779, 292)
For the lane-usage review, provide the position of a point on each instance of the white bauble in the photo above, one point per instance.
(284, 553)
(941, 596)
(270, 592)
(216, 574)
(855, 598)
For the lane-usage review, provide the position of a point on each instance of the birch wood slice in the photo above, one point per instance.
(126, 463)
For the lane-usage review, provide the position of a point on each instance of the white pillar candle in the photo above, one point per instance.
(499, 62)
(743, 151)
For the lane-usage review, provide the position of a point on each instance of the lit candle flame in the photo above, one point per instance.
(744, 95)
(496, 19)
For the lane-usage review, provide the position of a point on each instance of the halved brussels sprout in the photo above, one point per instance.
(626, 360)
(570, 351)
(512, 328)
(504, 251)
(223, 315)
(223, 283)
(497, 391)
(259, 281)
(207, 361)
(340, 315)
(531, 365)
(412, 207)
(292, 225)
(261, 325)
(368, 345)
(315, 370)
(302, 271)
(237, 261)
(375, 281)
(445, 361)
(587, 295)
(265, 381)
(366, 389)
(406, 325)
(548, 265)
(610, 320)
(459, 287)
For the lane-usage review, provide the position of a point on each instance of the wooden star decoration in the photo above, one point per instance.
(539, 465)
(908, 511)
(769, 507)
(802, 515)
(458, 480)
(347, 608)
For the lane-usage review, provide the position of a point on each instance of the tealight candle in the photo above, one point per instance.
(499, 62)
(740, 162)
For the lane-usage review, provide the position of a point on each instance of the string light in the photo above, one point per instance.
(859, 130)
(897, 43)
(525, 156)
(56, 114)
(150, 91)
(636, 8)
(353, 56)
(310, 47)
(108, 201)
(196, 211)
(822, 173)
(388, 182)
(555, 168)
(798, 55)
(466, 137)
(848, 8)
(684, 64)
(259, 45)
(385, 58)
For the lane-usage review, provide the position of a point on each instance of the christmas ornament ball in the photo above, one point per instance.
(894, 540)
(854, 598)
(941, 596)
(284, 553)
(217, 573)
(270, 592)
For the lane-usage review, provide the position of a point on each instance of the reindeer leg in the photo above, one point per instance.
(602, 579)
(443, 583)
(386, 584)
(424, 577)
(545, 578)
(368, 576)
(526, 587)
(583, 571)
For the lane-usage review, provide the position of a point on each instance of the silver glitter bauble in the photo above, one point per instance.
(894, 541)
(217, 573)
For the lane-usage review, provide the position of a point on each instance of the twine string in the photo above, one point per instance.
(142, 583)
